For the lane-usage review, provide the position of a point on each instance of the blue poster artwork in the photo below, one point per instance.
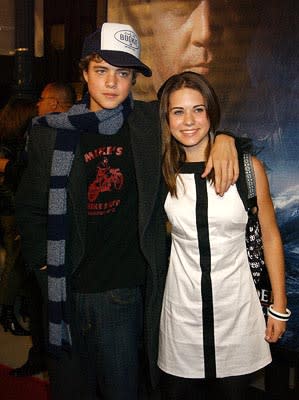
(269, 115)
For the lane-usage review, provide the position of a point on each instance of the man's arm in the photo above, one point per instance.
(224, 159)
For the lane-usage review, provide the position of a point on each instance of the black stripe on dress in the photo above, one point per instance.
(206, 283)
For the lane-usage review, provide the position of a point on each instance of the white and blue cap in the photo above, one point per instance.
(118, 45)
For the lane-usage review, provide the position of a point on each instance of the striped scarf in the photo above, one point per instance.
(78, 120)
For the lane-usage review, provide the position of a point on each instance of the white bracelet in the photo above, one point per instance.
(277, 315)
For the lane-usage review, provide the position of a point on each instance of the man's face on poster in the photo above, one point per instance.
(205, 36)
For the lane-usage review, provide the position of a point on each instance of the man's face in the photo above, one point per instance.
(46, 102)
(201, 36)
(108, 85)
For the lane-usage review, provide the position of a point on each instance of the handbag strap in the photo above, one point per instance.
(250, 176)
(246, 183)
(250, 182)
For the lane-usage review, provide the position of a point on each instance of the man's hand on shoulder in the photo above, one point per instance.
(224, 159)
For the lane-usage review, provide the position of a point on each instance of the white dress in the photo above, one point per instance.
(212, 324)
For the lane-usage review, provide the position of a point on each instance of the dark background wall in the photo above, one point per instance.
(66, 23)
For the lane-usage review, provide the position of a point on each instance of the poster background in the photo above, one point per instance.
(261, 102)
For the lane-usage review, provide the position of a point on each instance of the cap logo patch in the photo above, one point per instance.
(117, 44)
(127, 38)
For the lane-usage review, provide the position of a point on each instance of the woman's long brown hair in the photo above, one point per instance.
(15, 117)
(173, 152)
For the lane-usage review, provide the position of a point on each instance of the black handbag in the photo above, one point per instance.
(254, 243)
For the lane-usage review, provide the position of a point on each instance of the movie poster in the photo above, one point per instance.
(248, 50)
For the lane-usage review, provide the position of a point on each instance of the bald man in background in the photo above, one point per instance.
(56, 97)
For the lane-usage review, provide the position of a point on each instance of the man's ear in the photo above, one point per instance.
(85, 76)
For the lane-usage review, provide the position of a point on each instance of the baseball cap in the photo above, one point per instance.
(118, 45)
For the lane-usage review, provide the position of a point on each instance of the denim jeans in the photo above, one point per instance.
(110, 338)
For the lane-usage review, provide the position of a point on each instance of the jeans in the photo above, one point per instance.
(109, 339)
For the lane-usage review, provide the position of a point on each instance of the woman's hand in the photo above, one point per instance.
(275, 329)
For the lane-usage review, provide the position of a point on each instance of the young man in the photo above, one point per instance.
(90, 212)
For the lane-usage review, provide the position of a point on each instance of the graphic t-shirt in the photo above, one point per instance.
(113, 258)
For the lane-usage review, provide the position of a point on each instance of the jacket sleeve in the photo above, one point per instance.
(32, 197)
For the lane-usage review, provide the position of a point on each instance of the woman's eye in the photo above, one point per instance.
(177, 112)
(199, 109)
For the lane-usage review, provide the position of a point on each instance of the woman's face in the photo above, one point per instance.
(189, 122)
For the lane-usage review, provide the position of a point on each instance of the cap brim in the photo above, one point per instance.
(121, 59)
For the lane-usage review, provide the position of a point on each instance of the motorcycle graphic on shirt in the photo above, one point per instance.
(107, 180)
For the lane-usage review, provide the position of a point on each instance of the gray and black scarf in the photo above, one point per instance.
(70, 125)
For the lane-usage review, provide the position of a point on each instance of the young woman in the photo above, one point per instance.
(212, 328)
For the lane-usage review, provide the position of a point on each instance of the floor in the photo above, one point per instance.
(14, 350)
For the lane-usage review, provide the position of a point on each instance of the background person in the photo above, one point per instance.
(55, 97)
(212, 329)
(14, 120)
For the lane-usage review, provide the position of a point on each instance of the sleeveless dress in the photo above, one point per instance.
(212, 324)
